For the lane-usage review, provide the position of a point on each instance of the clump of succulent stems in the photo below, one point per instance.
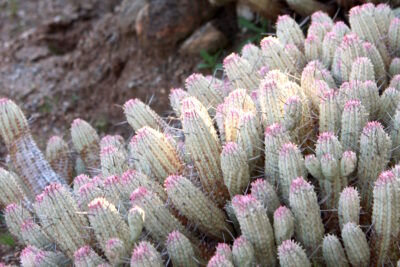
(290, 158)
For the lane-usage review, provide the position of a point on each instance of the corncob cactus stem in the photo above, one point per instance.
(180, 250)
(26, 157)
(224, 250)
(333, 252)
(395, 135)
(253, 55)
(138, 115)
(113, 161)
(15, 215)
(307, 214)
(103, 217)
(87, 193)
(10, 191)
(235, 168)
(86, 142)
(349, 206)
(145, 255)
(32, 256)
(34, 235)
(175, 97)
(375, 147)
(59, 215)
(291, 254)
(266, 195)
(198, 127)
(192, 203)
(219, 261)
(86, 257)
(256, 227)
(362, 70)
(79, 181)
(329, 111)
(289, 32)
(136, 219)
(283, 224)
(394, 67)
(115, 250)
(385, 216)
(159, 220)
(291, 166)
(58, 155)
(389, 100)
(356, 245)
(243, 252)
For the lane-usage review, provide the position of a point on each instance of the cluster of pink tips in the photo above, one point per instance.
(229, 148)
(371, 127)
(287, 149)
(52, 188)
(171, 181)
(274, 129)
(247, 117)
(325, 137)
(287, 247)
(349, 40)
(385, 178)
(82, 253)
(223, 249)
(3, 100)
(311, 38)
(27, 225)
(263, 71)
(217, 260)
(77, 123)
(108, 150)
(190, 114)
(11, 208)
(138, 194)
(195, 77)
(243, 204)
(349, 193)
(81, 179)
(28, 251)
(349, 155)
(351, 104)
(231, 59)
(281, 212)
(269, 85)
(140, 252)
(86, 189)
(128, 176)
(240, 241)
(113, 243)
(258, 185)
(299, 184)
(131, 103)
(111, 181)
(293, 100)
(55, 139)
(97, 204)
(173, 237)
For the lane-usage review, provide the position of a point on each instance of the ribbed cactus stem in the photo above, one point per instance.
(240, 72)
(253, 55)
(291, 165)
(362, 70)
(175, 97)
(349, 206)
(375, 146)
(159, 220)
(256, 227)
(58, 155)
(232, 119)
(136, 220)
(291, 254)
(348, 163)
(180, 250)
(354, 118)
(250, 137)
(329, 112)
(198, 129)
(304, 204)
(283, 224)
(104, 218)
(192, 203)
(87, 193)
(277, 58)
(395, 135)
(366, 92)
(377, 62)
(86, 142)
(138, 115)
(386, 216)
(79, 181)
(115, 250)
(153, 154)
(292, 114)
(389, 100)
(59, 215)
(355, 244)
(145, 255)
(26, 157)
(275, 136)
(266, 195)
(86, 257)
(15, 215)
(394, 67)
(34, 235)
(243, 252)
(289, 32)
(10, 191)
(350, 48)
(270, 107)
(116, 141)
(241, 100)
(219, 261)
(366, 21)
(333, 252)
(235, 168)
(312, 48)
(32, 256)
(313, 165)
(200, 87)
(299, 59)
(394, 37)
(311, 78)
(113, 162)
(329, 45)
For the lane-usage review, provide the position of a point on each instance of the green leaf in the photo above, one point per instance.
(249, 25)
(7, 239)
(206, 56)
(203, 65)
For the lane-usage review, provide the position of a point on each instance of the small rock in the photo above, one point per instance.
(269, 9)
(207, 38)
(163, 23)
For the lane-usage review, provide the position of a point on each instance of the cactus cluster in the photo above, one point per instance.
(289, 159)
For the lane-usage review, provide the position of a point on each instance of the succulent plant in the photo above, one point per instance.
(327, 103)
